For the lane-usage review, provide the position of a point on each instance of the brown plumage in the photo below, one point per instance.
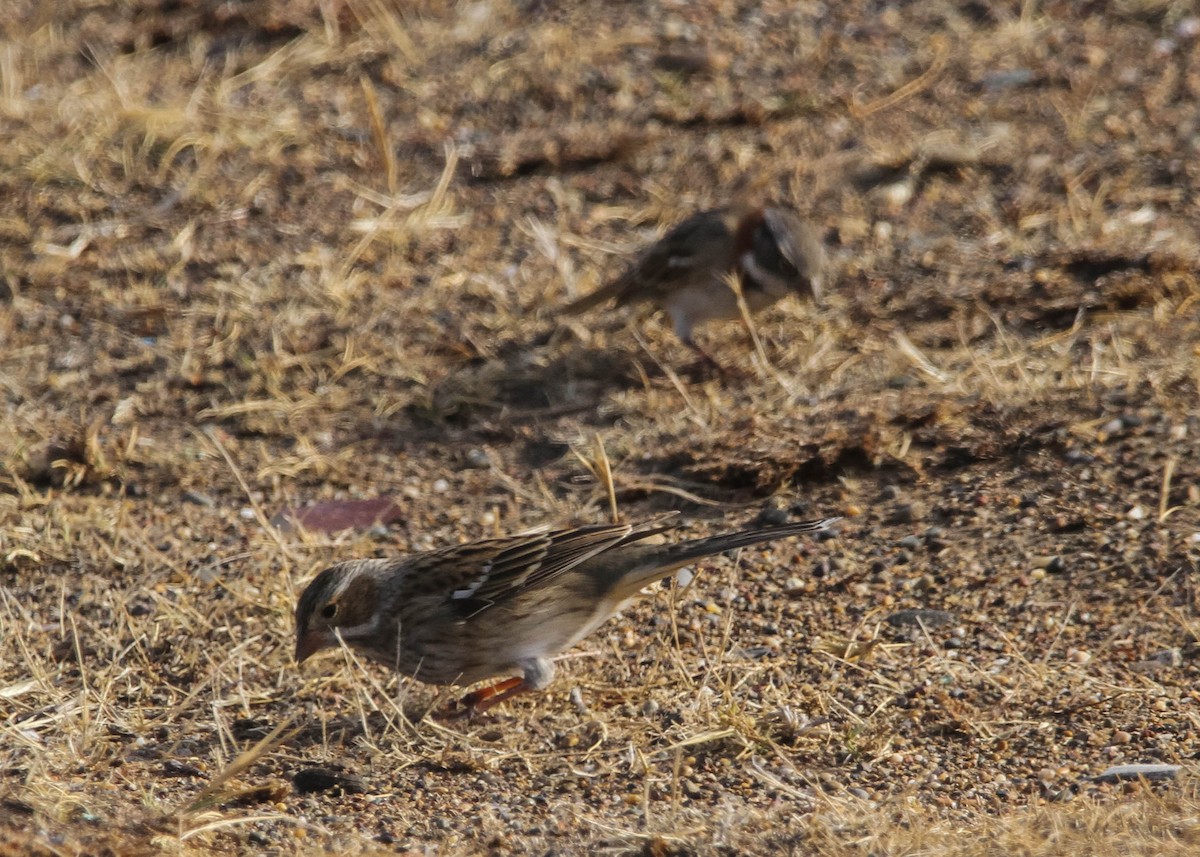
(499, 606)
(771, 250)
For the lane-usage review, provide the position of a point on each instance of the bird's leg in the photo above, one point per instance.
(478, 701)
(536, 674)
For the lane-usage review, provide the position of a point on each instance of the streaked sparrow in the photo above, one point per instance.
(771, 250)
(470, 612)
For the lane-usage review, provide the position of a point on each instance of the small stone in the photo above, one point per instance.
(441, 486)
(909, 543)
(895, 196)
(1112, 427)
(1050, 564)
(650, 708)
(1078, 656)
(126, 411)
(773, 515)
(1149, 772)
(1164, 47)
(1163, 659)
(199, 498)
(317, 779)
(1137, 513)
(1122, 737)
(477, 458)
(999, 80)
(577, 701)
(906, 513)
(890, 492)
(176, 768)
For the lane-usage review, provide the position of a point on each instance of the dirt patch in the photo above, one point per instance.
(259, 256)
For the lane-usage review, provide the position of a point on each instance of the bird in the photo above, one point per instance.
(501, 606)
(771, 250)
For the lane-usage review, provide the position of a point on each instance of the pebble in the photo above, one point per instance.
(773, 515)
(319, 779)
(199, 498)
(577, 700)
(1164, 659)
(999, 80)
(918, 616)
(1137, 513)
(1149, 772)
(476, 457)
(1051, 564)
(1164, 47)
(909, 542)
(441, 486)
(906, 513)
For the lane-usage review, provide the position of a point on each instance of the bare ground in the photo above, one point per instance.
(260, 255)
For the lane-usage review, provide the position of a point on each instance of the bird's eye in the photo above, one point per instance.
(329, 611)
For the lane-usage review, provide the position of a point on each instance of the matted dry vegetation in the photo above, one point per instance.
(256, 255)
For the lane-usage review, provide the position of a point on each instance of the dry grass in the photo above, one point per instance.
(260, 255)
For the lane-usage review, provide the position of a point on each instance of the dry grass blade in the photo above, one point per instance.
(379, 132)
(603, 471)
(381, 13)
(941, 46)
(210, 794)
(1164, 494)
(211, 436)
(917, 358)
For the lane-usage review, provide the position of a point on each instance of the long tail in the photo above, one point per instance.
(658, 561)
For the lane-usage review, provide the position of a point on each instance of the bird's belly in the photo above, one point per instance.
(713, 301)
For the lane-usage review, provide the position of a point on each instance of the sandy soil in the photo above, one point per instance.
(260, 255)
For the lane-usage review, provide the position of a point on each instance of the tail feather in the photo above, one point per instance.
(659, 561)
(683, 552)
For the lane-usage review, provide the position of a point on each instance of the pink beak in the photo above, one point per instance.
(307, 645)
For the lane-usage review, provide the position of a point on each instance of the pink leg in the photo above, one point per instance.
(479, 701)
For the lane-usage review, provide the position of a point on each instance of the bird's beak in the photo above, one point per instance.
(307, 645)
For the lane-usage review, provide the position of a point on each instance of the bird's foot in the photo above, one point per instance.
(479, 701)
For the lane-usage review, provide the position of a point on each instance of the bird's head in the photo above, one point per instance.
(342, 601)
(783, 253)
